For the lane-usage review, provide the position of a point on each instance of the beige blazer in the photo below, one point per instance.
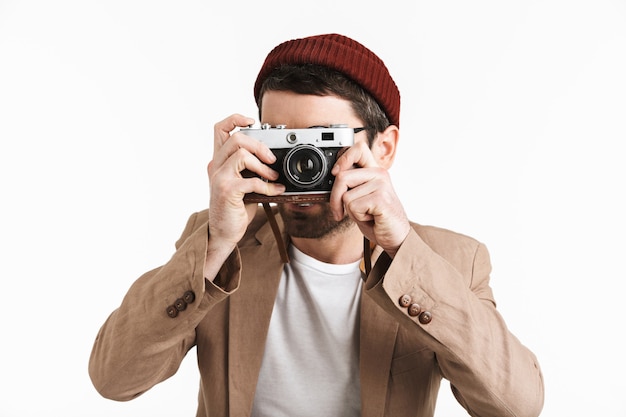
(428, 314)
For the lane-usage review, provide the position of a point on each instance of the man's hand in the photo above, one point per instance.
(232, 153)
(364, 191)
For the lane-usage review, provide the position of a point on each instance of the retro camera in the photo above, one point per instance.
(304, 159)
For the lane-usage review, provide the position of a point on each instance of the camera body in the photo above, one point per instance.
(304, 159)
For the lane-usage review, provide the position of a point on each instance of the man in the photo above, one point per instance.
(320, 335)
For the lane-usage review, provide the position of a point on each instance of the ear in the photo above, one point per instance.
(385, 145)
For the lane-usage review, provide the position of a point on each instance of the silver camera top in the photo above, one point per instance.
(279, 136)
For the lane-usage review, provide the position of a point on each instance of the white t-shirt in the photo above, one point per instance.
(311, 360)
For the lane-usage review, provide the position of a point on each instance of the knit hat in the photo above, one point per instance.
(342, 54)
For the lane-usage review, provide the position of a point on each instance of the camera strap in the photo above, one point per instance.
(282, 249)
(366, 262)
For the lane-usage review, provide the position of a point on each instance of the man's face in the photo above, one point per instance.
(310, 220)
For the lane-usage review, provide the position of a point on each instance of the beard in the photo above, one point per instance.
(316, 223)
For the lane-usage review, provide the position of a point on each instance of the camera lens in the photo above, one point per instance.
(305, 166)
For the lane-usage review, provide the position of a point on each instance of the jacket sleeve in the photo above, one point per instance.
(445, 296)
(144, 340)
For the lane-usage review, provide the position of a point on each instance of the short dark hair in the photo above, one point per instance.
(321, 81)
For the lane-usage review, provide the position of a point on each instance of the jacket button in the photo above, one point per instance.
(189, 297)
(414, 309)
(180, 304)
(405, 300)
(172, 311)
(426, 317)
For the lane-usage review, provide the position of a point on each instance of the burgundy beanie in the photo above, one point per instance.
(341, 54)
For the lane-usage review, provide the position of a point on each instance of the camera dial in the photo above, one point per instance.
(292, 138)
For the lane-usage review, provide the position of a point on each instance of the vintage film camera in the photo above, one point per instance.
(304, 159)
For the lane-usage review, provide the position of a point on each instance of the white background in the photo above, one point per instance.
(513, 131)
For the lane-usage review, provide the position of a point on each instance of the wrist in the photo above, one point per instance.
(217, 253)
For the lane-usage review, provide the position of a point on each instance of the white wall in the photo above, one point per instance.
(513, 131)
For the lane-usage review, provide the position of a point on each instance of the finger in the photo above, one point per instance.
(257, 185)
(223, 129)
(347, 180)
(228, 183)
(363, 203)
(244, 160)
(236, 188)
(238, 161)
(240, 141)
(258, 148)
(357, 155)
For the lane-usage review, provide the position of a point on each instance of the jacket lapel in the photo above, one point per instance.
(377, 343)
(250, 311)
(249, 316)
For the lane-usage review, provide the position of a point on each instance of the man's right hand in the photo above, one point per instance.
(233, 153)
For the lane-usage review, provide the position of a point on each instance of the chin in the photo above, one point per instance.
(311, 221)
